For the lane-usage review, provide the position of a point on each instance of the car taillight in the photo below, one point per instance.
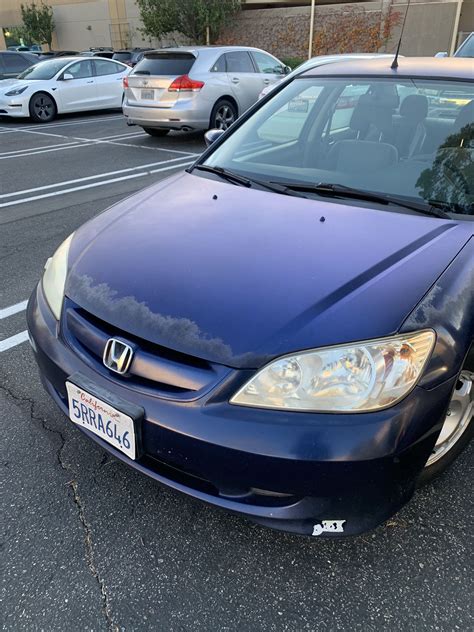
(185, 84)
(125, 82)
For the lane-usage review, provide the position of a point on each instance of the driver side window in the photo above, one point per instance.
(80, 70)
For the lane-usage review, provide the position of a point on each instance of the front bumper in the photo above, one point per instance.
(295, 472)
(179, 117)
(14, 106)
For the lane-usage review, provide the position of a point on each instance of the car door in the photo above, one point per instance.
(244, 80)
(109, 82)
(77, 88)
(270, 69)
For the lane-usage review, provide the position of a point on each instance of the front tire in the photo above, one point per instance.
(42, 108)
(157, 132)
(457, 430)
(223, 114)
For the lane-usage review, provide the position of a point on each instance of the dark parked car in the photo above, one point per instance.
(12, 63)
(108, 53)
(57, 53)
(131, 57)
(286, 330)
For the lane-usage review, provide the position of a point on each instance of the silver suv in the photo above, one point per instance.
(196, 88)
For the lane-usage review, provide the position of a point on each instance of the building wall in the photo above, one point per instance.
(283, 30)
(80, 25)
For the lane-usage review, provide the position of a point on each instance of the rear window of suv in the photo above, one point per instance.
(125, 56)
(165, 64)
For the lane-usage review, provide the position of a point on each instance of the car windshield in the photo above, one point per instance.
(467, 48)
(405, 139)
(44, 69)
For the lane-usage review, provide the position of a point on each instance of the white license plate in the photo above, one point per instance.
(148, 94)
(103, 420)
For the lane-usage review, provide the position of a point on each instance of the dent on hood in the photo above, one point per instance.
(178, 333)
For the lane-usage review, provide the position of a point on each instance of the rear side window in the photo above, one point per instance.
(105, 67)
(239, 61)
(15, 63)
(165, 64)
(219, 66)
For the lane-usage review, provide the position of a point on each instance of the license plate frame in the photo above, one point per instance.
(124, 416)
(148, 94)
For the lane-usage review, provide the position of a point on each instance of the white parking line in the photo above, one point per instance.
(13, 341)
(39, 151)
(92, 185)
(74, 141)
(19, 152)
(98, 175)
(86, 142)
(13, 309)
(6, 130)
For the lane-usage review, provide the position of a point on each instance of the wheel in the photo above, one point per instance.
(156, 131)
(224, 113)
(457, 429)
(42, 108)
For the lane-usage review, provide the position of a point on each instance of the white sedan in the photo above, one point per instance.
(64, 84)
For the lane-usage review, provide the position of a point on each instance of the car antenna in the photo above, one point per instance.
(394, 65)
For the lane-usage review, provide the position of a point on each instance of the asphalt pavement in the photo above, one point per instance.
(89, 544)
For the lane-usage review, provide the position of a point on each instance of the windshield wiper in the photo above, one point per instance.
(339, 190)
(236, 178)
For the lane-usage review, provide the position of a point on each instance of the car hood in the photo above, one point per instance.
(9, 83)
(238, 276)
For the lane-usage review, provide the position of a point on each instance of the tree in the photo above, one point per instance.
(159, 17)
(199, 20)
(38, 23)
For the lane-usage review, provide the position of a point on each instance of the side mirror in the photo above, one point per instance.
(212, 135)
(286, 70)
(67, 76)
(444, 54)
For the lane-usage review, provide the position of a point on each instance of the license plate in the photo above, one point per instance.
(148, 94)
(103, 420)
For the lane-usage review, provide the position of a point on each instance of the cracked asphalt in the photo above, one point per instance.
(89, 544)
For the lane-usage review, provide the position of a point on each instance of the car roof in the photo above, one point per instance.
(204, 49)
(17, 52)
(421, 67)
(69, 58)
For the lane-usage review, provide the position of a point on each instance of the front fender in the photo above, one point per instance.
(448, 308)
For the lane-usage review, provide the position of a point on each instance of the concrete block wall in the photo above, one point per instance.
(285, 31)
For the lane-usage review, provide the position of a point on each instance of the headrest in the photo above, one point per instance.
(415, 107)
(374, 108)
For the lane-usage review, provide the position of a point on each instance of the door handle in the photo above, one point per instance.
(91, 81)
(235, 80)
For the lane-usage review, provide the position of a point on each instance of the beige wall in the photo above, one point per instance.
(80, 25)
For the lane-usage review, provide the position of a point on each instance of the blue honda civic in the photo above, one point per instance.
(285, 330)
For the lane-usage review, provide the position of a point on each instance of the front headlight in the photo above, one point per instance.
(359, 377)
(15, 92)
(54, 277)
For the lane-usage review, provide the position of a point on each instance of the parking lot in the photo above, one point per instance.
(89, 544)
